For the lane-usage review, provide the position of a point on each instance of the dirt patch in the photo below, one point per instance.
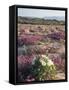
(60, 76)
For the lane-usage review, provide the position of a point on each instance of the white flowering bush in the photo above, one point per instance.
(44, 69)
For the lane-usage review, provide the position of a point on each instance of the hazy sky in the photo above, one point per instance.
(39, 13)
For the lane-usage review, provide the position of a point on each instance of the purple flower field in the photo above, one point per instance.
(41, 52)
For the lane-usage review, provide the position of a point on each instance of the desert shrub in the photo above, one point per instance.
(56, 36)
(24, 67)
(44, 69)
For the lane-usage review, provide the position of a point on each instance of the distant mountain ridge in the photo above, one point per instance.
(59, 18)
(45, 21)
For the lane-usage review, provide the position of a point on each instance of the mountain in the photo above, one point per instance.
(59, 18)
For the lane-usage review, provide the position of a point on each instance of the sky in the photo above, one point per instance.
(39, 12)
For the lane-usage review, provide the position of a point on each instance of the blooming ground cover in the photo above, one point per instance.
(41, 52)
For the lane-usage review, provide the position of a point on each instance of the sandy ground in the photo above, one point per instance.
(60, 76)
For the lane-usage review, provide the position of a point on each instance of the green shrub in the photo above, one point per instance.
(43, 69)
